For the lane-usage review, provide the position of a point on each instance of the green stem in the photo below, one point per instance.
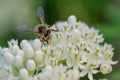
(37, 67)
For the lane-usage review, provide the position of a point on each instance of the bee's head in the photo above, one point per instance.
(41, 28)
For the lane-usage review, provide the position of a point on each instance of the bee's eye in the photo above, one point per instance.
(41, 28)
(47, 33)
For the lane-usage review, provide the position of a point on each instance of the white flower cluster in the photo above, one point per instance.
(75, 51)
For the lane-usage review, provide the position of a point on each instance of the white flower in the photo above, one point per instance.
(23, 73)
(18, 60)
(30, 65)
(48, 68)
(12, 42)
(8, 57)
(76, 34)
(5, 50)
(72, 20)
(23, 42)
(36, 44)
(53, 73)
(98, 38)
(28, 50)
(46, 76)
(90, 69)
(15, 48)
(20, 52)
(75, 51)
(105, 68)
(13, 45)
(38, 55)
(62, 26)
(73, 59)
(6, 72)
(73, 74)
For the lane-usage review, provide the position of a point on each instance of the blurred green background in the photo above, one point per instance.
(102, 14)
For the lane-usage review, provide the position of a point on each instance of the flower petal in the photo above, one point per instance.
(90, 76)
(95, 71)
(113, 62)
(83, 73)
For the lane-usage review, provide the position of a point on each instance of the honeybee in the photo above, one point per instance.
(41, 30)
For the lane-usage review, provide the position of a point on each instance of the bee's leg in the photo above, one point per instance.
(40, 38)
(36, 35)
(49, 39)
(46, 40)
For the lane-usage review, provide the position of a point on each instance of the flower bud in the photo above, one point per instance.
(105, 68)
(38, 56)
(29, 52)
(5, 50)
(27, 48)
(23, 73)
(72, 20)
(20, 52)
(15, 48)
(48, 68)
(23, 43)
(36, 44)
(18, 60)
(8, 57)
(76, 34)
(31, 65)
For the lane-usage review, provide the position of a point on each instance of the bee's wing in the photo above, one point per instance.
(25, 28)
(40, 13)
